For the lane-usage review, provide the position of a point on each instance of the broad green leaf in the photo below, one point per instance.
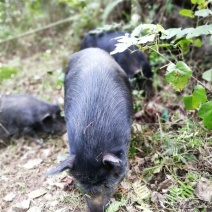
(178, 75)
(200, 1)
(149, 28)
(123, 43)
(205, 112)
(120, 47)
(197, 42)
(184, 45)
(145, 39)
(207, 75)
(198, 97)
(187, 13)
(184, 32)
(203, 13)
(169, 33)
(195, 32)
(194, 1)
(197, 1)
(7, 72)
(201, 30)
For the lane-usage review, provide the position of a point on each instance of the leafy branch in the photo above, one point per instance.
(150, 36)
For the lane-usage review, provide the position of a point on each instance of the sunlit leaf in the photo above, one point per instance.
(187, 13)
(149, 28)
(178, 75)
(169, 33)
(36, 193)
(124, 42)
(197, 43)
(200, 1)
(22, 205)
(32, 163)
(145, 39)
(184, 32)
(203, 13)
(207, 75)
(197, 1)
(205, 112)
(194, 1)
(195, 32)
(9, 197)
(184, 45)
(198, 97)
(201, 30)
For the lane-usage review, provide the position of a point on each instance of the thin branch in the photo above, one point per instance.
(39, 29)
(160, 54)
(201, 84)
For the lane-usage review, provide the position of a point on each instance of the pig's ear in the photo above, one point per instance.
(47, 122)
(46, 118)
(111, 159)
(66, 164)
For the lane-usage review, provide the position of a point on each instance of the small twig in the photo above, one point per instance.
(164, 66)
(160, 126)
(160, 54)
(201, 84)
(4, 129)
(40, 29)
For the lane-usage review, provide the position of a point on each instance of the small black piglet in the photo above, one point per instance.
(26, 115)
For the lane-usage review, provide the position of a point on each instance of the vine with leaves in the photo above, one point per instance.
(178, 73)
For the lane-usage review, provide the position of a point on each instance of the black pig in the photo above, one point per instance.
(27, 115)
(133, 61)
(98, 110)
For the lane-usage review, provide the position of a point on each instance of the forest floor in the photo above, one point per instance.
(170, 163)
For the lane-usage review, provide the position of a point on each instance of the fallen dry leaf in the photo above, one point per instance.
(157, 197)
(32, 163)
(131, 208)
(34, 209)
(53, 182)
(165, 184)
(21, 206)
(62, 210)
(9, 197)
(53, 203)
(68, 183)
(45, 153)
(204, 189)
(126, 185)
(36, 193)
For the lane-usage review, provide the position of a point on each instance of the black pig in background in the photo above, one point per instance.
(98, 110)
(27, 115)
(132, 61)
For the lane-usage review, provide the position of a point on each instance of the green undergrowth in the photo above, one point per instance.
(173, 163)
